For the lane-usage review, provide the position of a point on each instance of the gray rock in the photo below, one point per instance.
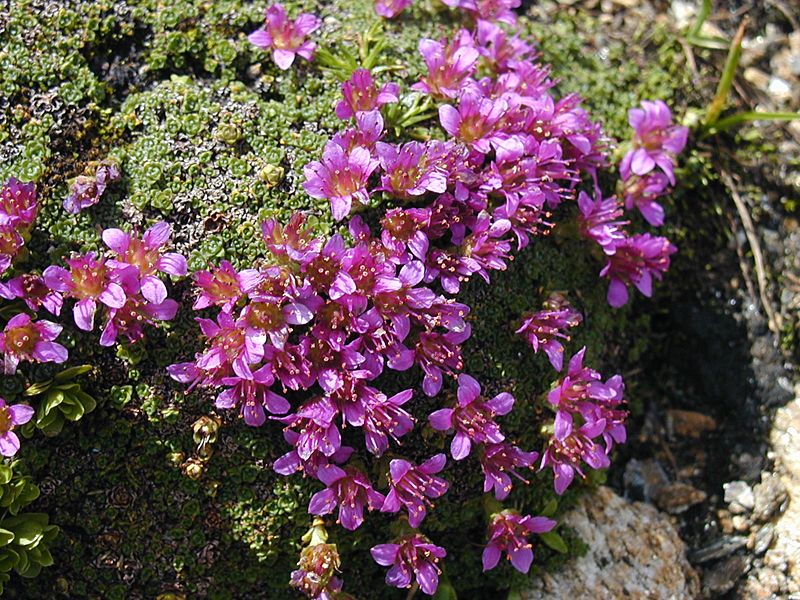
(721, 579)
(740, 496)
(634, 552)
(718, 549)
(676, 498)
(768, 496)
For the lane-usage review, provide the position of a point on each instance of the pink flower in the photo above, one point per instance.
(287, 38)
(656, 142)
(489, 10)
(252, 396)
(569, 447)
(636, 260)
(449, 67)
(412, 169)
(475, 120)
(413, 556)
(91, 280)
(11, 417)
(509, 533)
(223, 286)
(34, 291)
(11, 242)
(350, 490)
(412, 486)
(472, 418)
(130, 318)
(600, 221)
(87, 190)
(642, 192)
(544, 329)
(147, 257)
(18, 204)
(24, 339)
(362, 95)
(389, 9)
(340, 177)
(497, 461)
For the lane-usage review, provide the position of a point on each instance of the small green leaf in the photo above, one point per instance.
(72, 372)
(552, 540)
(550, 508)
(6, 537)
(38, 388)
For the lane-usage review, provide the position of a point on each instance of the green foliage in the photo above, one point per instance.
(24, 536)
(59, 400)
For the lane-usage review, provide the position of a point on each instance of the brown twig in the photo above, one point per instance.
(412, 591)
(774, 319)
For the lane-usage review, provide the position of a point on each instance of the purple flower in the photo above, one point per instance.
(636, 260)
(230, 347)
(509, 532)
(449, 67)
(412, 169)
(383, 417)
(498, 50)
(544, 329)
(402, 229)
(252, 396)
(497, 461)
(12, 416)
(147, 257)
(367, 132)
(287, 38)
(412, 486)
(11, 242)
(350, 490)
(642, 192)
(475, 121)
(340, 177)
(315, 577)
(87, 191)
(413, 556)
(656, 141)
(437, 353)
(362, 95)
(25, 339)
(389, 9)
(223, 286)
(472, 418)
(600, 221)
(91, 280)
(488, 10)
(129, 319)
(315, 422)
(34, 291)
(569, 447)
(18, 204)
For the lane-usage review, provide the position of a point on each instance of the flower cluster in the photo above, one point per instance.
(87, 190)
(18, 209)
(587, 412)
(126, 283)
(286, 38)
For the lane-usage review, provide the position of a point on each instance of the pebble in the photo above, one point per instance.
(762, 539)
(757, 77)
(779, 89)
(689, 423)
(768, 496)
(643, 479)
(676, 498)
(722, 577)
(720, 548)
(739, 496)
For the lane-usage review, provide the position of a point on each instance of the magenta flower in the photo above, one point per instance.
(12, 416)
(544, 329)
(439, 353)
(509, 532)
(656, 142)
(475, 121)
(223, 286)
(642, 192)
(291, 463)
(315, 577)
(449, 67)
(389, 9)
(498, 50)
(25, 339)
(412, 486)
(600, 221)
(18, 204)
(91, 280)
(318, 433)
(488, 10)
(472, 418)
(129, 319)
(230, 347)
(383, 418)
(11, 243)
(285, 37)
(569, 447)
(34, 291)
(362, 95)
(87, 191)
(252, 396)
(500, 460)
(412, 169)
(402, 229)
(636, 260)
(413, 556)
(340, 177)
(350, 490)
(367, 132)
(146, 255)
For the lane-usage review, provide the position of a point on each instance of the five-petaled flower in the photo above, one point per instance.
(285, 37)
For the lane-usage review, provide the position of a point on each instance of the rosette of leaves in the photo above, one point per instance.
(24, 536)
(60, 399)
